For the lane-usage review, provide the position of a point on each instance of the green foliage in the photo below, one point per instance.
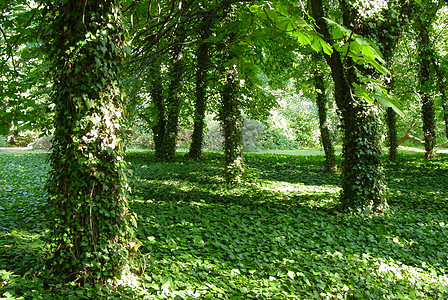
(277, 236)
(24, 86)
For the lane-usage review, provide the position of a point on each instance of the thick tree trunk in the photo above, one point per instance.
(203, 62)
(362, 186)
(88, 211)
(327, 143)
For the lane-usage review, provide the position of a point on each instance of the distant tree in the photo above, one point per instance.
(202, 68)
(422, 28)
(90, 233)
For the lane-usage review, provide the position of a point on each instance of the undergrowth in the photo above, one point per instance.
(277, 236)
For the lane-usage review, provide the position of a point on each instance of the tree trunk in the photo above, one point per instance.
(158, 129)
(327, 143)
(230, 114)
(392, 134)
(232, 124)
(424, 57)
(203, 62)
(173, 100)
(88, 210)
(362, 186)
(442, 88)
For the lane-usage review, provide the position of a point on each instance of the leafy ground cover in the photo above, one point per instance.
(277, 236)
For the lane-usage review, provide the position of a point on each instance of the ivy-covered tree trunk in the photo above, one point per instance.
(230, 113)
(362, 186)
(89, 231)
(424, 60)
(173, 103)
(232, 125)
(203, 62)
(327, 143)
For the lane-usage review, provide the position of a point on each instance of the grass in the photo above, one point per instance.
(275, 237)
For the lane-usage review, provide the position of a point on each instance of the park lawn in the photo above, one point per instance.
(278, 236)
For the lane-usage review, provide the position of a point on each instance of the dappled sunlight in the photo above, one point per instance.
(286, 187)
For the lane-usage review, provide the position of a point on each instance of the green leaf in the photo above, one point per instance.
(327, 49)
(303, 39)
(380, 68)
(390, 101)
(316, 45)
(367, 51)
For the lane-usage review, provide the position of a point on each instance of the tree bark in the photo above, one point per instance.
(362, 186)
(88, 211)
(327, 143)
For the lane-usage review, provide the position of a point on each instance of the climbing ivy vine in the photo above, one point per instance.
(91, 233)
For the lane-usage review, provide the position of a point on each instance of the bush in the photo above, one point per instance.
(43, 143)
(213, 137)
(252, 134)
(275, 138)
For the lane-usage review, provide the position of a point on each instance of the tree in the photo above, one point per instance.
(203, 64)
(90, 223)
(424, 55)
(362, 185)
(321, 100)
(230, 110)
(385, 29)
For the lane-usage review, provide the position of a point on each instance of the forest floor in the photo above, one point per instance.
(277, 236)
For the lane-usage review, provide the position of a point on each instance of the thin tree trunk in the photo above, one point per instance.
(392, 134)
(327, 143)
(158, 128)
